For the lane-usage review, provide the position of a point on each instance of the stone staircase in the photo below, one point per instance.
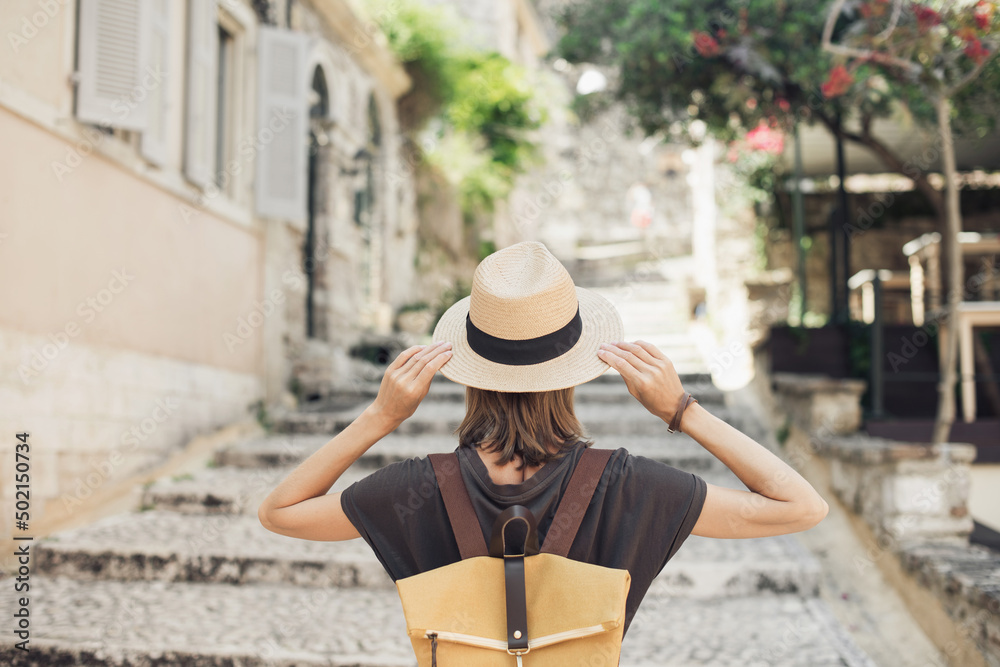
(657, 311)
(192, 578)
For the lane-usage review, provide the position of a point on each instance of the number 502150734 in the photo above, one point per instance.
(22, 477)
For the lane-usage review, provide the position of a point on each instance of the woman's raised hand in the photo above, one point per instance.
(407, 381)
(648, 374)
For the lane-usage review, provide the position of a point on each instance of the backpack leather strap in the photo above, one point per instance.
(572, 507)
(513, 573)
(458, 504)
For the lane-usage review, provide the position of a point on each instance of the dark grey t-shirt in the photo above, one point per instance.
(641, 513)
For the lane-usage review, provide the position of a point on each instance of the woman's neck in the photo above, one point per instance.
(509, 473)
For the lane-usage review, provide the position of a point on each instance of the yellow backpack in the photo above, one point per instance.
(529, 608)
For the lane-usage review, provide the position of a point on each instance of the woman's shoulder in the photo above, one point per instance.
(401, 474)
(623, 463)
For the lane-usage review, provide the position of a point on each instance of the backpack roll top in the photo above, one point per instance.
(509, 603)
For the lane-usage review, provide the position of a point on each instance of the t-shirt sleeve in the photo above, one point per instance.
(661, 504)
(397, 511)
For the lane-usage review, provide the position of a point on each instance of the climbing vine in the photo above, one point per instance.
(470, 111)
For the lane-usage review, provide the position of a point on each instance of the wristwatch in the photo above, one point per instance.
(686, 400)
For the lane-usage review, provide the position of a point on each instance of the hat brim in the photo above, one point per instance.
(601, 324)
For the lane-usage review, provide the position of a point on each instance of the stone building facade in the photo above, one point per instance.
(204, 207)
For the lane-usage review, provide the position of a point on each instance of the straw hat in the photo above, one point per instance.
(525, 326)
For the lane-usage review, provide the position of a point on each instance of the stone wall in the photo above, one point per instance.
(905, 491)
(912, 499)
(101, 413)
(908, 492)
(364, 261)
(965, 579)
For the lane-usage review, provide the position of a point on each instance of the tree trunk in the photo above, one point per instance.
(946, 387)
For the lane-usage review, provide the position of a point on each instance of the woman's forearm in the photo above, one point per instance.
(760, 469)
(315, 475)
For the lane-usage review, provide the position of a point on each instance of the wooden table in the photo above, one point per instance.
(970, 314)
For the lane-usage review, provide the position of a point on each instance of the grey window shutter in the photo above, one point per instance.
(280, 183)
(202, 75)
(112, 61)
(154, 137)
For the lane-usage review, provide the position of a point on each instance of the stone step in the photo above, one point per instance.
(226, 489)
(444, 417)
(208, 624)
(607, 388)
(699, 378)
(159, 545)
(676, 449)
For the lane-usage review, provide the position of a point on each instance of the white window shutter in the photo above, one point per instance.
(202, 83)
(112, 61)
(282, 116)
(154, 137)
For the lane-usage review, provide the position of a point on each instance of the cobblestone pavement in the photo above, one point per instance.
(192, 577)
(270, 622)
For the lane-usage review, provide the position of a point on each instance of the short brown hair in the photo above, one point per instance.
(521, 423)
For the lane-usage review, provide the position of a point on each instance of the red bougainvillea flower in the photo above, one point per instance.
(784, 105)
(706, 44)
(983, 14)
(926, 17)
(975, 50)
(764, 138)
(837, 83)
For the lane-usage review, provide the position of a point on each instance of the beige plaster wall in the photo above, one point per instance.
(180, 286)
(37, 48)
(114, 317)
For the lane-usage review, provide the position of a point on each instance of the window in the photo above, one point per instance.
(280, 184)
(202, 73)
(216, 98)
(154, 141)
(112, 63)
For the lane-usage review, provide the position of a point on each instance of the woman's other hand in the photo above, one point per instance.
(407, 380)
(648, 373)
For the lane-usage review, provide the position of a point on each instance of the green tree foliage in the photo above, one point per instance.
(673, 67)
(474, 109)
(734, 64)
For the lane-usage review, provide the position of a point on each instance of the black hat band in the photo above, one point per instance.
(526, 351)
